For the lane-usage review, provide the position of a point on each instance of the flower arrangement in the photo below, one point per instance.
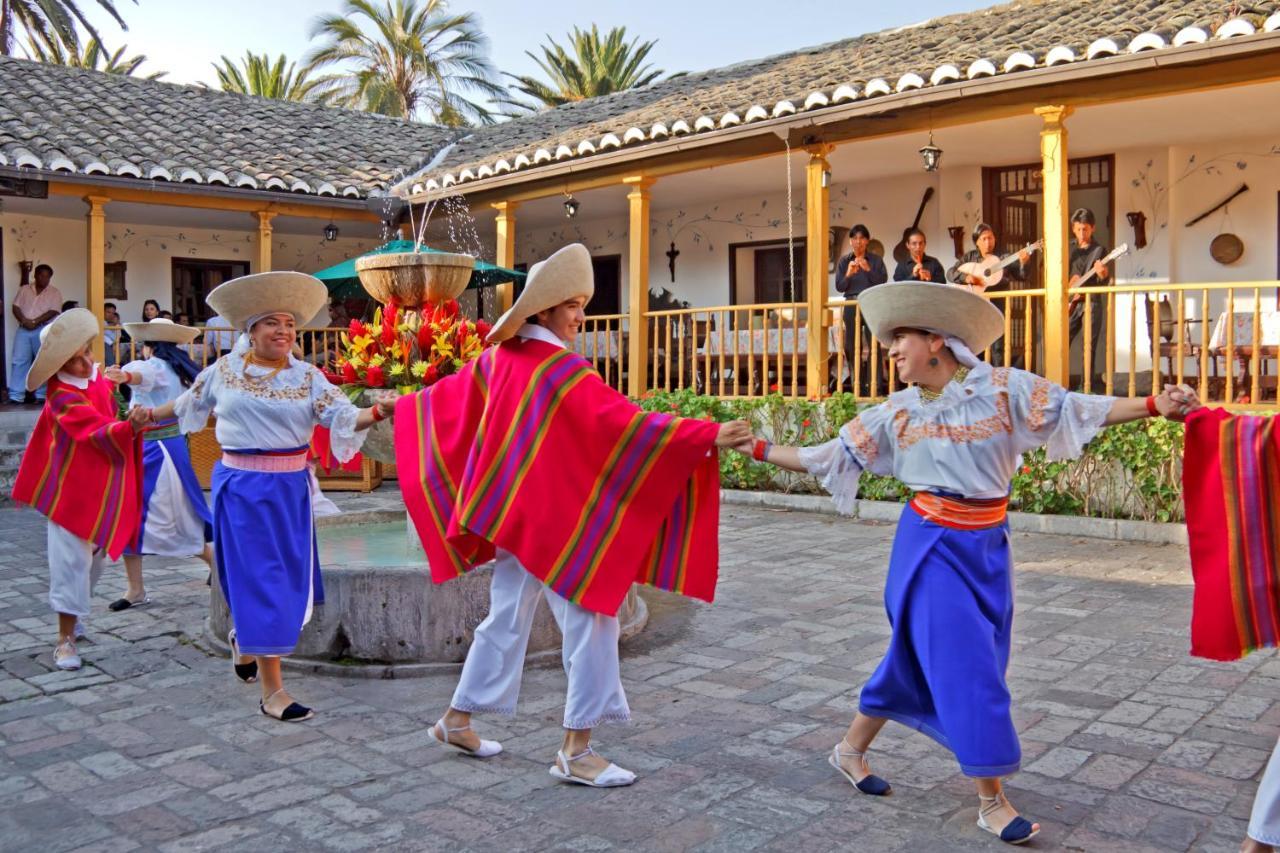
(407, 349)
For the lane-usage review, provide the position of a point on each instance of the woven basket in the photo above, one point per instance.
(205, 453)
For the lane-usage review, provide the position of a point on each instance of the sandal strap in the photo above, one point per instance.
(583, 754)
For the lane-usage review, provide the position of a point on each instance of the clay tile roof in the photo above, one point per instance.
(53, 117)
(996, 40)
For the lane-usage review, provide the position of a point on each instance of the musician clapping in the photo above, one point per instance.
(919, 266)
(855, 272)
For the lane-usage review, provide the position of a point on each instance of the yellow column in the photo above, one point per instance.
(1053, 159)
(264, 240)
(95, 275)
(817, 222)
(506, 225)
(638, 284)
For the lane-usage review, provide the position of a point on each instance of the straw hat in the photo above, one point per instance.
(241, 299)
(563, 276)
(950, 309)
(161, 330)
(61, 339)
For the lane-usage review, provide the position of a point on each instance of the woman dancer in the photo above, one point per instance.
(267, 403)
(955, 439)
(176, 521)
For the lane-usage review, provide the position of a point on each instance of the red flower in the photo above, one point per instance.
(349, 374)
(1026, 469)
(773, 387)
(335, 378)
(450, 308)
(483, 329)
(356, 329)
(388, 336)
(806, 423)
(373, 377)
(431, 375)
(424, 339)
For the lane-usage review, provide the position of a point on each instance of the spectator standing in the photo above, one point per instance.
(34, 307)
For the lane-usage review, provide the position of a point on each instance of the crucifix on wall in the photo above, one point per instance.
(672, 254)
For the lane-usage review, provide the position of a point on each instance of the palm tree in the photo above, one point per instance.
(596, 67)
(93, 57)
(256, 74)
(408, 58)
(49, 21)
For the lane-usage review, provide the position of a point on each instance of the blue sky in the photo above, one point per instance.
(185, 38)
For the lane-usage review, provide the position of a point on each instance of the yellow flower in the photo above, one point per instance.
(397, 369)
(419, 369)
(377, 360)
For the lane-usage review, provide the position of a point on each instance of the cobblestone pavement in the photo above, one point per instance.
(1129, 743)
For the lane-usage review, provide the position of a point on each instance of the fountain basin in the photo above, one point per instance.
(384, 618)
(411, 279)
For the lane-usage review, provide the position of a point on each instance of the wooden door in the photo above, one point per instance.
(772, 276)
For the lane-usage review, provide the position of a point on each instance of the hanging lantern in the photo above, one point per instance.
(571, 206)
(931, 154)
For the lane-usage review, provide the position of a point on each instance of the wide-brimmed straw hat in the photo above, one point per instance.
(563, 276)
(951, 309)
(61, 339)
(285, 292)
(161, 330)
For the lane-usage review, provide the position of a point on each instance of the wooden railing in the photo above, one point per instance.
(603, 342)
(1217, 337)
(319, 346)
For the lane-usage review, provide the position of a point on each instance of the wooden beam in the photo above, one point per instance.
(817, 221)
(506, 225)
(638, 283)
(95, 265)
(1139, 76)
(209, 202)
(1053, 159)
(264, 218)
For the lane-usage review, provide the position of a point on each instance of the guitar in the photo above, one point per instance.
(1081, 281)
(991, 269)
(900, 251)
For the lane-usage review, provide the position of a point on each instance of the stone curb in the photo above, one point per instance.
(1119, 529)
(213, 643)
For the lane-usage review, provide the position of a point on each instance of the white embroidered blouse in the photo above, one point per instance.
(969, 442)
(159, 382)
(255, 413)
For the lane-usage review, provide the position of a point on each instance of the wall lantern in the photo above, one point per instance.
(571, 206)
(331, 232)
(931, 154)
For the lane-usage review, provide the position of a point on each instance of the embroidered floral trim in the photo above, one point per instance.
(232, 379)
(1001, 423)
(1040, 390)
(863, 441)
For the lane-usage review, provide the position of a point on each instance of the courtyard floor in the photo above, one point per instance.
(1129, 743)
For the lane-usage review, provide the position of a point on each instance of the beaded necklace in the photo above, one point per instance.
(929, 396)
(252, 359)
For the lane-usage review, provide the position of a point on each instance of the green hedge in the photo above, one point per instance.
(1129, 471)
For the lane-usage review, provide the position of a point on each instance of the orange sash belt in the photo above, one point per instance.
(960, 513)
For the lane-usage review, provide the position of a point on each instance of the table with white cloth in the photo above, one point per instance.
(763, 347)
(1240, 324)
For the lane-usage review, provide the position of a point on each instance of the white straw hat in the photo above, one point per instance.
(563, 276)
(59, 341)
(950, 309)
(284, 292)
(161, 330)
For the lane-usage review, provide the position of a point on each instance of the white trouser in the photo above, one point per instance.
(1264, 824)
(491, 676)
(74, 568)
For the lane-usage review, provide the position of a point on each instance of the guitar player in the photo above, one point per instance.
(1086, 255)
(984, 241)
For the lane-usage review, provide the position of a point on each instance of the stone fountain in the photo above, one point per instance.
(382, 616)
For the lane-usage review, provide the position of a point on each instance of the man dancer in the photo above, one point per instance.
(527, 456)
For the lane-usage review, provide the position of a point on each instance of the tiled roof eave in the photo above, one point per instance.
(819, 114)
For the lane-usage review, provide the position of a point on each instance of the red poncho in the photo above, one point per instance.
(82, 467)
(1231, 487)
(526, 449)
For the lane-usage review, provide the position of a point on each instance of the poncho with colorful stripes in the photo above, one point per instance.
(526, 449)
(1231, 487)
(82, 467)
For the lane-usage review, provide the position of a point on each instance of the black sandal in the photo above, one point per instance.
(124, 603)
(295, 713)
(246, 672)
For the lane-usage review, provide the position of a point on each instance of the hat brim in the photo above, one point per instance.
(285, 292)
(565, 275)
(157, 332)
(67, 335)
(950, 309)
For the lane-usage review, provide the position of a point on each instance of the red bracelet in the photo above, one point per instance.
(1151, 407)
(759, 450)
(377, 413)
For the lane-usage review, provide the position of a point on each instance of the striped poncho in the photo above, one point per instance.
(526, 449)
(82, 467)
(1231, 486)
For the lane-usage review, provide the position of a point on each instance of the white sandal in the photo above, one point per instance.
(1017, 831)
(870, 784)
(612, 776)
(487, 748)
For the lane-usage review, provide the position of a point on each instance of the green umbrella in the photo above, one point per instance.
(343, 283)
